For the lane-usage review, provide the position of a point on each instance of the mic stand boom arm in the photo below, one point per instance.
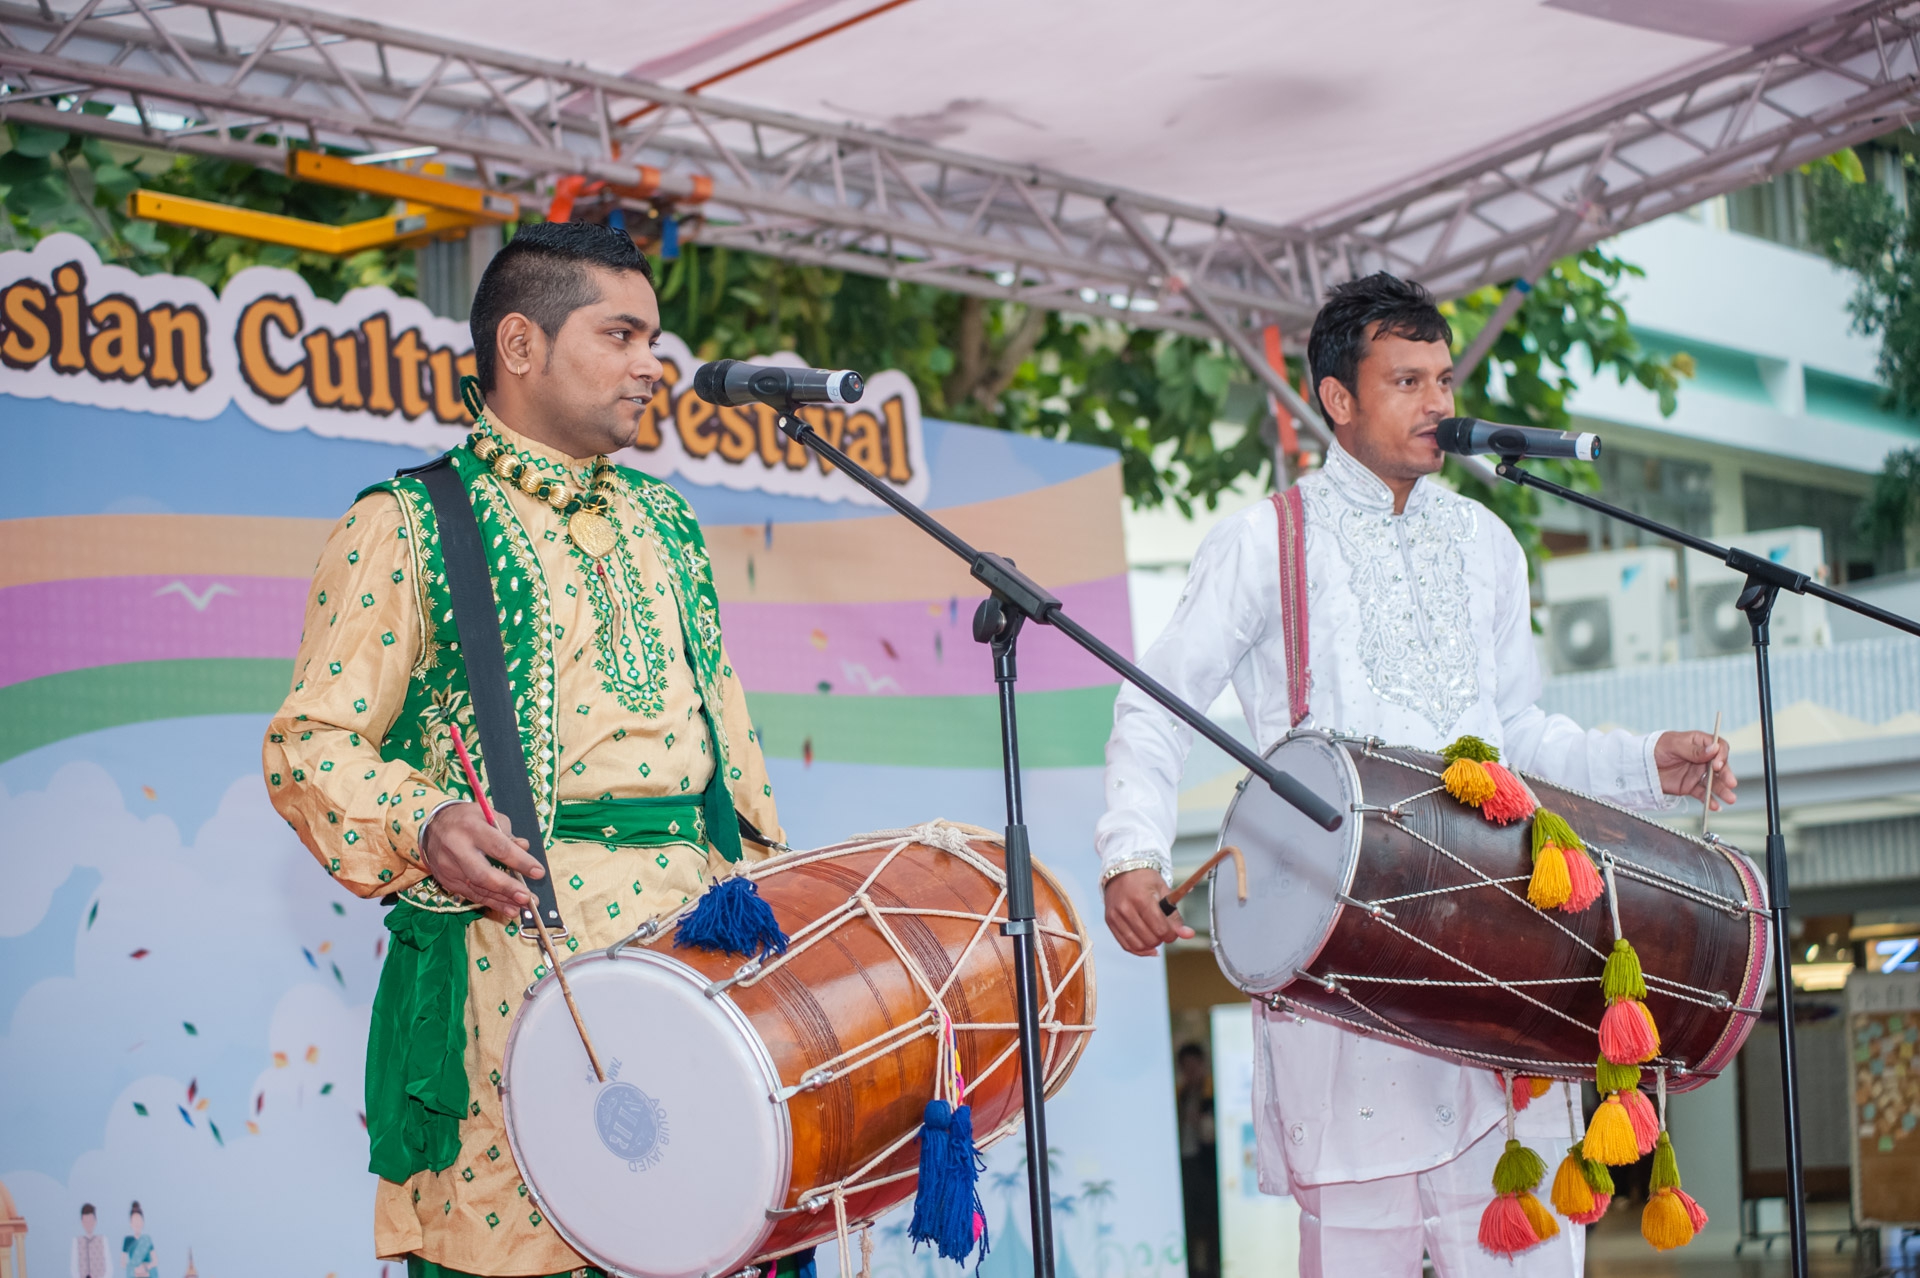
(1016, 599)
(1765, 580)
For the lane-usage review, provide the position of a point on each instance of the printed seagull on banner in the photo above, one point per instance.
(199, 601)
(854, 671)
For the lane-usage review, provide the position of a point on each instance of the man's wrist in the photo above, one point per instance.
(420, 836)
(1127, 864)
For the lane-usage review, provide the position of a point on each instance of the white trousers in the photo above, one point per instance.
(1379, 1228)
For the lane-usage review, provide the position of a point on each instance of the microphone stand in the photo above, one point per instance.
(1765, 580)
(1015, 600)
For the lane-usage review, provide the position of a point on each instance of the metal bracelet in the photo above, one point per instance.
(1127, 865)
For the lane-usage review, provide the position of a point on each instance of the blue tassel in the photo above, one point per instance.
(733, 919)
(946, 1206)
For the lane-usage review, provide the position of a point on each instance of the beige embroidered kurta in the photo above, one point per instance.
(630, 727)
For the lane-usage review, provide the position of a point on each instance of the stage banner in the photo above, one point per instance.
(184, 993)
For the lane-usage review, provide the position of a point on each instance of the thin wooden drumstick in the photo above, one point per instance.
(1706, 799)
(1171, 901)
(539, 924)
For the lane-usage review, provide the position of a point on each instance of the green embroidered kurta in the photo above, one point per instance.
(616, 703)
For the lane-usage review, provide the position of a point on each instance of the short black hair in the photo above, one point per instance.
(1379, 305)
(1189, 1050)
(86, 1209)
(542, 274)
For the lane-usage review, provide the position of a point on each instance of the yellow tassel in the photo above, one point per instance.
(1550, 887)
(1665, 1223)
(1539, 1086)
(1610, 1138)
(1544, 1225)
(1572, 1195)
(1468, 782)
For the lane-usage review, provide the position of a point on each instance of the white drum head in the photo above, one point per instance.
(668, 1169)
(1296, 871)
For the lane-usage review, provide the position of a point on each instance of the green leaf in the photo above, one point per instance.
(35, 142)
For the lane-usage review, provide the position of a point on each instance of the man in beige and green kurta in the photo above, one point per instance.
(632, 719)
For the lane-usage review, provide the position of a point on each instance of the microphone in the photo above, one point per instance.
(733, 382)
(1470, 435)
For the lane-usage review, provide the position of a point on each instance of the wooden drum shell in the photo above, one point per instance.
(1708, 946)
(850, 988)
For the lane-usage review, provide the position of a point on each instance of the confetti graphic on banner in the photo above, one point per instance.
(140, 953)
(140, 1109)
(191, 1029)
(312, 962)
(93, 914)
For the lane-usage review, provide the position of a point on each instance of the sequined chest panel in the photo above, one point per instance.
(1408, 575)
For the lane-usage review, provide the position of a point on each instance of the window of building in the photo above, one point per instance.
(1778, 503)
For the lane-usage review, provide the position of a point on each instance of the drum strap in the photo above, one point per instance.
(474, 610)
(1293, 599)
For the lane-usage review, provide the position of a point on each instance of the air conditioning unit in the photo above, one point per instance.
(1719, 628)
(1612, 608)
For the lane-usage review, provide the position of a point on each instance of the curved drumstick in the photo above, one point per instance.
(539, 924)
(1171, 901)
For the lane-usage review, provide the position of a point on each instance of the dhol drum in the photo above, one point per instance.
(1411, 920)
(752, 1109)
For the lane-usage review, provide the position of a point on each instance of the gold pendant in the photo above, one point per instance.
(592, 532)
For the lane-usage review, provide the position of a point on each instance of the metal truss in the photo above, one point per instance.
(242, 78)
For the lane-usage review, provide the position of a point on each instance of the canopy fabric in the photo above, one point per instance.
(1284, 113)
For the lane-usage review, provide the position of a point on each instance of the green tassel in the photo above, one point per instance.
(1550, 827)
(1599, 1179)
(1609, 1078)
(1471, 748)
(1622, 978)
(1518, 1170)
(1666, 1168)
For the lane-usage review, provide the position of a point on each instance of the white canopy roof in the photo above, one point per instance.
(1283, 113)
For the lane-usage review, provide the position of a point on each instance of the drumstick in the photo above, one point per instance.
(539, 924)
(1706, 799)
(1171, 901)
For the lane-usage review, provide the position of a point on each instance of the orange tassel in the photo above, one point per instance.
(1504, 1227)
(1549, 887)
(1626, 1036)
(1665, 1222)
(1510, 800)
(1646, 1123)
(1539, 1086)
(1467, 780)
(1583, 881)
(1610, 1137)
(1538, 1217)
(1592, 1215)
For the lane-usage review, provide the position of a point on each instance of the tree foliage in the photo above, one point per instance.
(1571, 324)
(1860, 227)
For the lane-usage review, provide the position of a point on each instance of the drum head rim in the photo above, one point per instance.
(1351, 827)
(547, 986)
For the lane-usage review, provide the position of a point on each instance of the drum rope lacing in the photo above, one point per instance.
(1712, 999)
(953, 839)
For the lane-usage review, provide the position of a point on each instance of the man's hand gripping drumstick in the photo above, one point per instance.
(1143, 916)
(525, 897)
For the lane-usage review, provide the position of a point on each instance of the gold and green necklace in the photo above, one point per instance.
(585, 514)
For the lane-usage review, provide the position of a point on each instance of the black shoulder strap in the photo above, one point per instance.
(474, 618)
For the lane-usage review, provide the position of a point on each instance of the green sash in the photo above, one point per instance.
(416, 1046)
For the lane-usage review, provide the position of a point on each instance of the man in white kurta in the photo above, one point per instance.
(1419, 631)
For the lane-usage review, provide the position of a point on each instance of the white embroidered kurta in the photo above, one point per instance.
(1419, 631)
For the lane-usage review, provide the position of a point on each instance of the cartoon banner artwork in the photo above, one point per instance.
(184, 994)
(379, 367)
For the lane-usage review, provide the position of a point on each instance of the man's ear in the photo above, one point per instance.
(1336, 401)
(521, 346)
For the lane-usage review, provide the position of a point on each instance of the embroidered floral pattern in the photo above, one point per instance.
(1409, 575)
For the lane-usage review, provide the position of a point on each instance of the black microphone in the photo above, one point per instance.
(733, 382)
(1470, 435)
